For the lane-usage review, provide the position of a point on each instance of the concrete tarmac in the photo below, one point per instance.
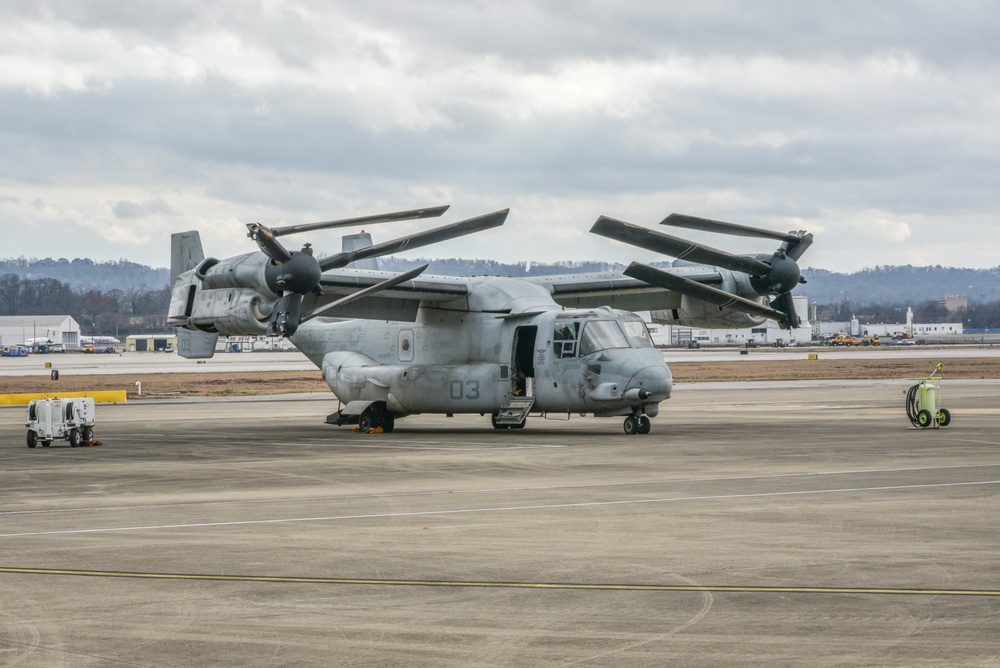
(783, 524)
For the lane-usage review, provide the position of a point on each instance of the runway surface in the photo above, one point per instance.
(783, 524)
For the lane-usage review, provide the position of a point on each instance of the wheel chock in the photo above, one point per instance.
(91, 443)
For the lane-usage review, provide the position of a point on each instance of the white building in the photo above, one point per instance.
(765, 334)
(883, 330)
(17, 329)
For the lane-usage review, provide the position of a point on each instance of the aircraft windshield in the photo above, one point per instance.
(601, 335)
(637, 334)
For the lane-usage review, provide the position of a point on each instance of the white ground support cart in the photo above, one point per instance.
(70, 419)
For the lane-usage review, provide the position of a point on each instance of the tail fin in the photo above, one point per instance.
(353, 242)
(185, 252)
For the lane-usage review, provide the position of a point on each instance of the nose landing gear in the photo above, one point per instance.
(637, 423)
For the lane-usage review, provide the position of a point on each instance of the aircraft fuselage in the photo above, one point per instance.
(579, 361)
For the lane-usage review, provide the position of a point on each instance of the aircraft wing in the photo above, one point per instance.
(399, 302)
(618, 291)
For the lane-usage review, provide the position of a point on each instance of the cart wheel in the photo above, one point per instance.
(88, 434)
(32, 439)
(944, 417)
(924, 418)
(46, 444)
(75, 440)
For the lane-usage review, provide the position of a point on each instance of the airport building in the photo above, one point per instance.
(768, 333)
(19, 330)
(151, 343)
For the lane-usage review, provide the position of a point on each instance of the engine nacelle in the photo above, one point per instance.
(699, 313)
(227, 297)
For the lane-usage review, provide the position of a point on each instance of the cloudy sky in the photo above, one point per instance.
(875, 125)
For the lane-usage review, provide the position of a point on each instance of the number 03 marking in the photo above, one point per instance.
(459, 389)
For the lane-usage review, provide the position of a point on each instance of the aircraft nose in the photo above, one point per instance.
(655, 380)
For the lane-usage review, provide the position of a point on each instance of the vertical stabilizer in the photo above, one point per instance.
(353, 242)
(185, 252)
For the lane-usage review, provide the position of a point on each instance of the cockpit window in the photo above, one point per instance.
(564, 338)
(638, 335)
(601, 335)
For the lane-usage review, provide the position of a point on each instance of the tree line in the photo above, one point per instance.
(141, 310)
(115, 312)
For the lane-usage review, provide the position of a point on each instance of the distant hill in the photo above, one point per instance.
(901, 285)
(82, 273)
(880, 285)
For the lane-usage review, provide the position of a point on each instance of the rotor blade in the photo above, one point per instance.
(685, 286)
(445, 233)
(678, 248)
(285, 316)
(709, 225)
(412, 214)
(360, 294)
(271, 247)
(796, 249)
(786, 304)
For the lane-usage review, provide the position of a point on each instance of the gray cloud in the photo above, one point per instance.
(872, 124)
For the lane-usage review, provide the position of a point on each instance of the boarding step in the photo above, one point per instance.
(515, 410)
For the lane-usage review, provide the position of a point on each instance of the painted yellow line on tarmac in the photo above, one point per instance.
(737, 589)
(100, 396)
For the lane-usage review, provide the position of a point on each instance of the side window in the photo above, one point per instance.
(564, 338)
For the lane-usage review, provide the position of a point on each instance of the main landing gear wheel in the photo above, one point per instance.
(376, 416)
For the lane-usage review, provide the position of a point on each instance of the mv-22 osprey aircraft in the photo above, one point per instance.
(392, 345)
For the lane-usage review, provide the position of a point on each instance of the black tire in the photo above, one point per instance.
(75, 439)
(388, 422)
(88, 434)
(496, 425)
(631, 425)
(365, 421)
(519, 425)
(46, 444)
(944, 417)
(924, 418)
(32, 439)
(645, 425)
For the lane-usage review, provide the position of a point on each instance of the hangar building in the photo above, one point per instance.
(17, 329)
